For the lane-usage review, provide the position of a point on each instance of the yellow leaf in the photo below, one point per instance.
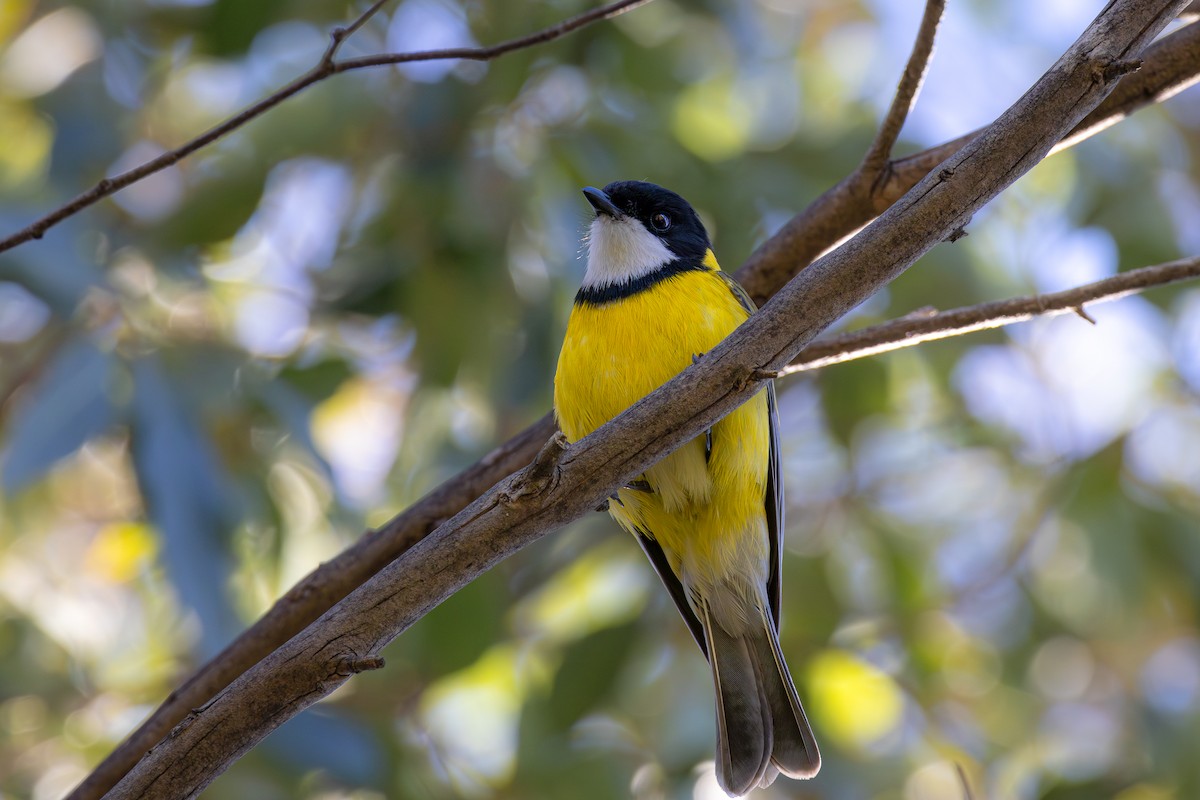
(27, 137)
(120, 550)
(853, 702)
(1146, 791)
(711, 120)
(12, 15)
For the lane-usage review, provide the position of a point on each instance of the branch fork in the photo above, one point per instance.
(541, 477)
(1115, 70)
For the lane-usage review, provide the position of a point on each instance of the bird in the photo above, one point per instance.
(709, 516)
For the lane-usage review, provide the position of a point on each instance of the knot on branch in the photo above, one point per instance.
(883, 176)
(956, 234)
(755, 376)
(924, 312)
(541, 476)
(1113, 70)
(352, 664)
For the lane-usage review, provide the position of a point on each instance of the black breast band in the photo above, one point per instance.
(599, 295)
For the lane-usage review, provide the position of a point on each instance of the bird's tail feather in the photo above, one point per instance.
(761, 727)
(795, 752)
(743, 713)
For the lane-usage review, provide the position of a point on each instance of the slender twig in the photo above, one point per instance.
(912, 330)
(30, 371)
(495, 51)
(325, 67)
(880, 151)
(962, 779)
(339, 35)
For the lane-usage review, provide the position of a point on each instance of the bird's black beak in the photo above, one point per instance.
(601, 202)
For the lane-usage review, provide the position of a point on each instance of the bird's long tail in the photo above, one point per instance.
(761, 727)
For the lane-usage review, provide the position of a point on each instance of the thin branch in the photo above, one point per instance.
(880, 151)
(340, 35)
(913, 330)
(526, 506)
(962, 779)
(495, 51)
(34, 366)
(325, 67)
(1169, 66)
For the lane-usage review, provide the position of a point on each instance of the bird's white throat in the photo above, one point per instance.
(622, 250)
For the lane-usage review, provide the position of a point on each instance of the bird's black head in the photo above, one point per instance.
(660, 211)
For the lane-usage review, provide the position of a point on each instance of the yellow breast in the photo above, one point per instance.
(617, 352)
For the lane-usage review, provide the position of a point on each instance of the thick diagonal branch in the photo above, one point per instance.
(1169, 66)
(527, 505)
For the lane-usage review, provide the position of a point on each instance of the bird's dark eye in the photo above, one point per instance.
(660, 221)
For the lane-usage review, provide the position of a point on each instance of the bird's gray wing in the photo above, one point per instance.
(658, 559)
(774, 498)
(774, 513)
(774, 509)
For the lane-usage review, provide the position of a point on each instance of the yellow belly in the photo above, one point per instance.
(709, 515)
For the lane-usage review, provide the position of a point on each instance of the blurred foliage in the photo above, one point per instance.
(219, 377)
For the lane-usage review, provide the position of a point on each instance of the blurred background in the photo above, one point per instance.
(219, 377)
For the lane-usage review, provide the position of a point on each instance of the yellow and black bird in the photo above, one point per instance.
(710, 515)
